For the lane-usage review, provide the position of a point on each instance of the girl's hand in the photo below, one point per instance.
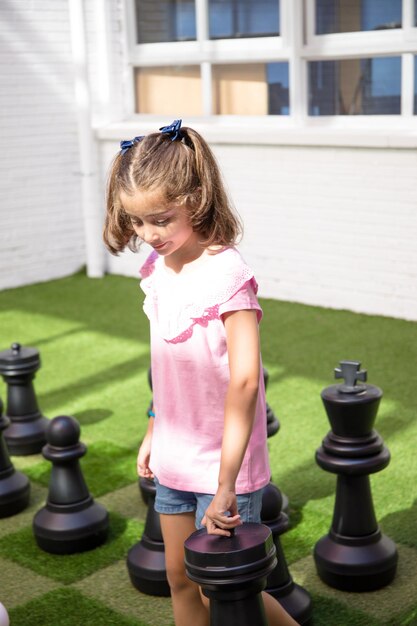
(143, 457)
(215, 519)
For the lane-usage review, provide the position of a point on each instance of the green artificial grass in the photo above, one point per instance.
(93, 339)
(21, 548)
(100, 477)
(67, 607)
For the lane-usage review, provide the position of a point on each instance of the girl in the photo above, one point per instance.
(206, 446)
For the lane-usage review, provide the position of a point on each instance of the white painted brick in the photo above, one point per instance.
(41, 226)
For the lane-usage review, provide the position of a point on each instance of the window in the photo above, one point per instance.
(165, 20)
(279, 58)
(243, 18)
(341, 16)
(355, 87)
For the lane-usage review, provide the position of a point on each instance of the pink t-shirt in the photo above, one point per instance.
(190, 370)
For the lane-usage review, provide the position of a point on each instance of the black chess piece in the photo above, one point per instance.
(26, 433)
(146, 559)
(280, 584)
(232, 572)
(354, 555)
(71, 521)
(272, 422)
(14, 486)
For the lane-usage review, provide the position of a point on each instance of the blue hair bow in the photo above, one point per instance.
(128, 143)
(173, 130)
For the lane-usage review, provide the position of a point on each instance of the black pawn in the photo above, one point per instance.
(294, 599)
(146, 559)
(14, 486)
(26, 433)
(354, 555)
(71, 521)
(232, 572)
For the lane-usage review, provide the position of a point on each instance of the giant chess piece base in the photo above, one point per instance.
(63, 530)
(356, 564)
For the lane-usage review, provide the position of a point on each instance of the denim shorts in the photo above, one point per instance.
(173, 501)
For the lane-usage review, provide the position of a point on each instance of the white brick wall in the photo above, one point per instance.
(41, 233)
(327, 226)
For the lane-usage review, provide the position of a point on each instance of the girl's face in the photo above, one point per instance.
(164, 226)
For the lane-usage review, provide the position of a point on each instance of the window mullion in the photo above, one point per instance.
(297, 65)
(407, 84)
(202, 19)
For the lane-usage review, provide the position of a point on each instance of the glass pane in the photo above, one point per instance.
(415, 12)
(165, 20)
(251, 89)
(355, 87)
(243, 18)
(342, 16)
(173, 91)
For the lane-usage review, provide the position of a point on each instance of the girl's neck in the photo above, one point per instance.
(187, 254)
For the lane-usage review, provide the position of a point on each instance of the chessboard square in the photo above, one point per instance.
(112, 585)
(19, 584)
(21, 547)
(306, 524)
(126, 501)
(389, 602)
(24, 518)
(400, 526)
(329, 611)
(105, 467)
(66, 607)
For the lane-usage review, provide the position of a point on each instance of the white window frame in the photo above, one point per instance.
(297, 44)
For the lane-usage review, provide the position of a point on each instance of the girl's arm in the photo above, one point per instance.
(244, 363)
(145, 452)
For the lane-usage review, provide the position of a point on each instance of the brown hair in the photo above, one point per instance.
(187, 172)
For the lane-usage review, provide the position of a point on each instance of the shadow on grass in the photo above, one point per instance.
(106, 467)
(68, 607)
(309, 342)
(21, 548)
(119, 372)
(401, 526)
(91, 416)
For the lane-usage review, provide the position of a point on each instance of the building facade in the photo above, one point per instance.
(310, 107)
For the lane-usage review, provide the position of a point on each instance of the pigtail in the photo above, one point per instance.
(118, 231)
(213, 214)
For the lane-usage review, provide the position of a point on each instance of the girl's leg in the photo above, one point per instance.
(275, 614)
(187, 604)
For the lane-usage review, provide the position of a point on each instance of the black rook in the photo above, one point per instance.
(232, 572)
(26, 433)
